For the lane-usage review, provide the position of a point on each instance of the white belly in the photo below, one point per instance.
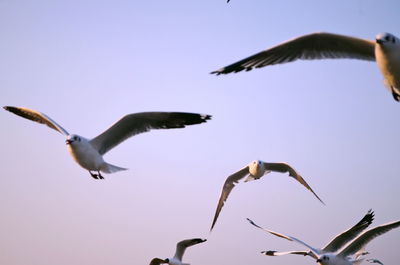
(389, 65)
(86, 156)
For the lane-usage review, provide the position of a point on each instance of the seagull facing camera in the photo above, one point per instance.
(385, 51)
(89, 153)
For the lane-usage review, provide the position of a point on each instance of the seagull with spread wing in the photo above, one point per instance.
(341, 249)
(255, 170)
(180, 250)
(89, 153)
(385, 50)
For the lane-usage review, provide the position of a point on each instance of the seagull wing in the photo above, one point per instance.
(307, 47)
(301, 252)
(290, 238)
(283, 168)
(37, 116)
(366, 237)
(136, 123)
(157, 261)
(226, 190)
(182, 245)
(348, 235)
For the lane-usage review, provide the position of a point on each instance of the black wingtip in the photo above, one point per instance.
(269, 252)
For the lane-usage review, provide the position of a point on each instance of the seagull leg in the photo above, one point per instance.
(100, 176)
(394, 94)
(95, 176)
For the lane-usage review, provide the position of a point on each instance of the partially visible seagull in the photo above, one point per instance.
(255, 170)
(340, 254)
(385, 50)
(180, 250)
(89, 153)
(374, 261)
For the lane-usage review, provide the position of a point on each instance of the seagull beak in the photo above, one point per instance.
(318, 260)
(68, 141)
(379, 41)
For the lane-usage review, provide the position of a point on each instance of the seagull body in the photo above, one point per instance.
(180, 250)
(385, 50)
(341, 249)
(255, 170)
(89, 153)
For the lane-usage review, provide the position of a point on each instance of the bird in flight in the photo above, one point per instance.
(385, 50)
(341, 249)
(180, 250)
(89, 153)
(255, 170)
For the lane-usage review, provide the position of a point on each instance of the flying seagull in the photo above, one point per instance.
(180, 250)
(255, 170)
(385, 50)
(374, 261)
(343, 252)
(89, 153)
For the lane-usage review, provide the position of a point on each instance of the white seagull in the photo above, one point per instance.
(89, 153)
(255, 170)
(180, 250)
(385, 50)
(339, 251)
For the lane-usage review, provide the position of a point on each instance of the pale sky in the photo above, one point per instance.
(87, 63)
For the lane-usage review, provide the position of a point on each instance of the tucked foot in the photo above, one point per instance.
(95, 176)
(99, 175)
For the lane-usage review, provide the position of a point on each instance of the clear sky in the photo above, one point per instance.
(88, 63)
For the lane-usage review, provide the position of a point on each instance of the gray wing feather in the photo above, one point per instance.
(366, 237)
(290, 238)
(136, 123)
(307, 47)
(226, 190)
(283, 168)
(182, 245)
(36, 116)
(301, 252)
(348, 235)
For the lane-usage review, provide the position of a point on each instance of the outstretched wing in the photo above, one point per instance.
(136, 123)
(182, 245)
(36, 116)
(366, 237)
(306, 47)
(276, 253)
(283, 168)
(226, 190)
(290, 238)
(348, 235)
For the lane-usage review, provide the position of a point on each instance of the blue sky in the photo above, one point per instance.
(88, 64)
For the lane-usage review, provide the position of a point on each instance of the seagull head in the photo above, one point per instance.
(386, 39)
(72, 138)
(324, 259)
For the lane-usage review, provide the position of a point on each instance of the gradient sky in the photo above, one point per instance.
(88, 63)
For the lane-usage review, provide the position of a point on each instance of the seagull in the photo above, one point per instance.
(180, 250)
(374, 261)
(339, 250)
(385, 50)
(89, 153)
(255, 170)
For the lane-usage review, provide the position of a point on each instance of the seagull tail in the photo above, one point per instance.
(108, 168)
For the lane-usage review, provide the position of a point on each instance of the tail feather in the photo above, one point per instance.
(108, 168)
